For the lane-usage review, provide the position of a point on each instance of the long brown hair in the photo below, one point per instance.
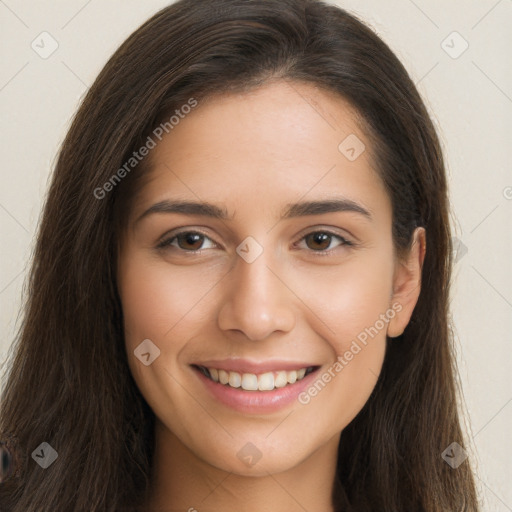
(69, 383)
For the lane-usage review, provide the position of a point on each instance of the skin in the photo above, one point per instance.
(253, 154)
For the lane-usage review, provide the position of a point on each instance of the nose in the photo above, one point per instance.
(257, 301)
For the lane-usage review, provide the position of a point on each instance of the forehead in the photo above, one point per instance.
(274, 145)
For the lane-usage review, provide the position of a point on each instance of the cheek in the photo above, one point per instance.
(350, 309)
(347, 298)
(165, 305)
(158, 299)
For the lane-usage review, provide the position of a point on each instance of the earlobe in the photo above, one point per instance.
(407, 284)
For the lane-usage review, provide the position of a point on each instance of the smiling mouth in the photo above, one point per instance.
(267, 381)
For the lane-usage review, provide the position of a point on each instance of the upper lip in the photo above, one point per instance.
(247, 366)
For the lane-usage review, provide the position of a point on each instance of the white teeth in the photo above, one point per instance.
(281, 380)
(266, 382)
(292, 376)
(252, 382)
(235, 379)
(249, 382)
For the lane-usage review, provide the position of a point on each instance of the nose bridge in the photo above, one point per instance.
(257, 302)
(257, 284)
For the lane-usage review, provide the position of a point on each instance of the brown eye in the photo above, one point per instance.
(322, 241)
(190, 241)
(318, 241)
(187, 241)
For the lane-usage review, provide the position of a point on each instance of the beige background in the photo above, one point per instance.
(469, 96)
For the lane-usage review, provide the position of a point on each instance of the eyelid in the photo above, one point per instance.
(164, 240)
(345, 241)
(329, 230)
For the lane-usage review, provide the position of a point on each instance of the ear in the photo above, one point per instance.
(407, 284)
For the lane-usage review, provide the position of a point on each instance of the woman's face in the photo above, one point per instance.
(269, 251)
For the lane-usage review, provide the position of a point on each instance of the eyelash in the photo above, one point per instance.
(166, 243)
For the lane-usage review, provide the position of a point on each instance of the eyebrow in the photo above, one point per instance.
(326, 206)
(301, 209)
(187, 208)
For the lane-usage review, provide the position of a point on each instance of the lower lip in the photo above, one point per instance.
(256, 402)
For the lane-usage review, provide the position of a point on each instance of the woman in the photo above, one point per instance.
(232, 301)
